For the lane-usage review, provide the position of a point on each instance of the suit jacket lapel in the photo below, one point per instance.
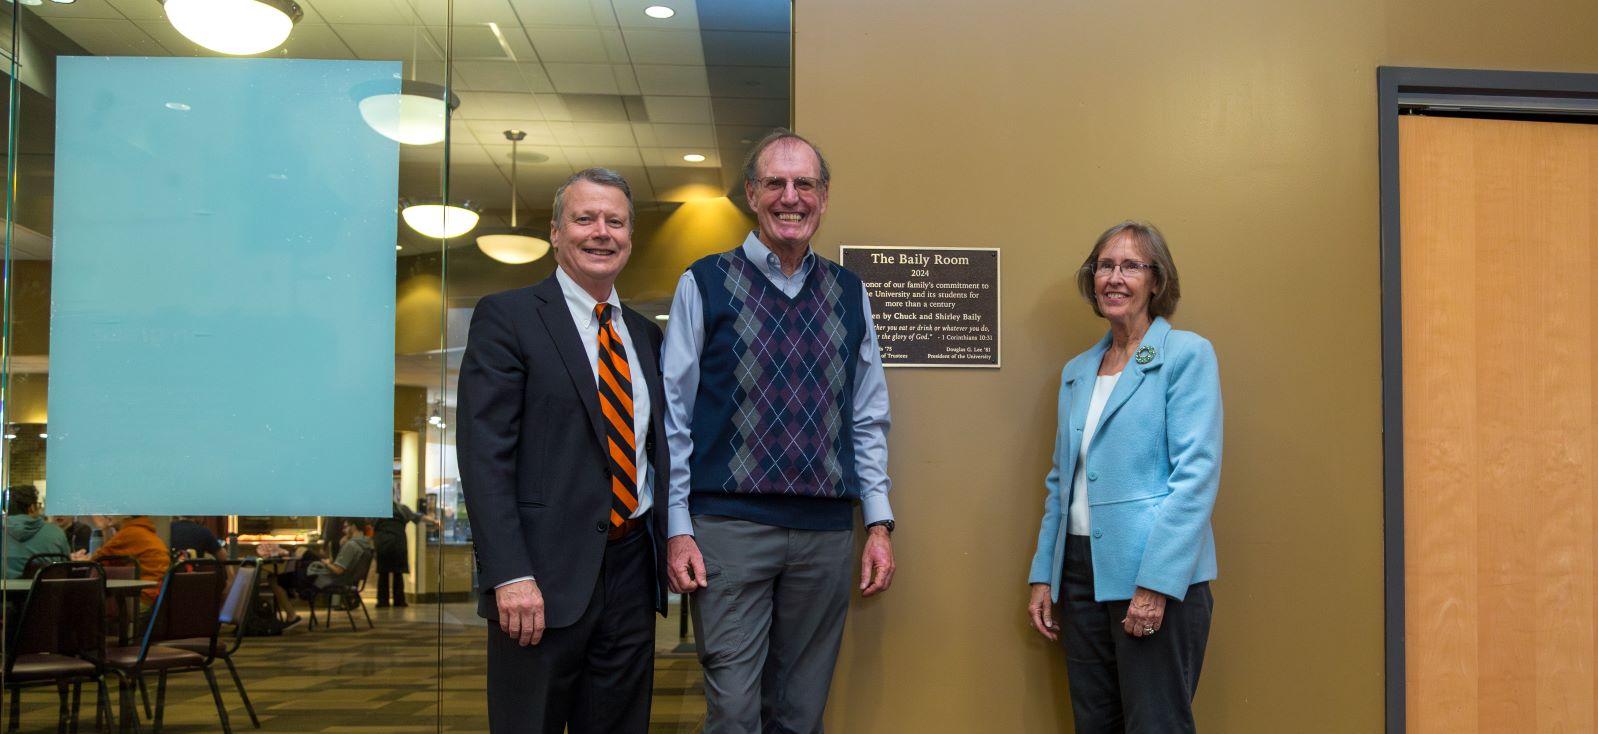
(563, 331)
(1132, 376)
(1081, 379)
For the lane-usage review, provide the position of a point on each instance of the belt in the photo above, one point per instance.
(618, 532)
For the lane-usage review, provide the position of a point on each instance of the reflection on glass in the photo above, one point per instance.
(237, 27)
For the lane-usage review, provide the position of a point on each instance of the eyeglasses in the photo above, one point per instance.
(1130, 269)
(802, 184)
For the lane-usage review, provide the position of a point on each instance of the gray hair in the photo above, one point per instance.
(600, 176)
(1149, 241)
(773, 138)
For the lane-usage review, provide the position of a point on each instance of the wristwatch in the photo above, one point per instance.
(884, 523)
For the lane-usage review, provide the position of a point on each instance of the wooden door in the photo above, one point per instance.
(1498, 237)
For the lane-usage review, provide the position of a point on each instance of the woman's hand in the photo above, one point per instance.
(1146, 612)
(1041, 609)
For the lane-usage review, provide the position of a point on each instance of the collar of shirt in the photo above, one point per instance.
(759, 253)
(581, 304)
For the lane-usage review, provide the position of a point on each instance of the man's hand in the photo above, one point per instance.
(876, 562)
(80, 555)
(521, 611)
(1145, 613)
(1041, 611)
(685, 568)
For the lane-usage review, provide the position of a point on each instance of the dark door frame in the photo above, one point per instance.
(1478, 93)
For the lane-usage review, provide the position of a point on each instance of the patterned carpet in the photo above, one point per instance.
(380, 680)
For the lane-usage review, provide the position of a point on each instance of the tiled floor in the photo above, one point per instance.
(385, 679)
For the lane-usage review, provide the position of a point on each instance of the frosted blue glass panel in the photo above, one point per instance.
(222, 316)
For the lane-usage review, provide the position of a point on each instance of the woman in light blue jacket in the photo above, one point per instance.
(1125, 546)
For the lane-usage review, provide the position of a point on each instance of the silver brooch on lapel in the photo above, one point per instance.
(1145, 354)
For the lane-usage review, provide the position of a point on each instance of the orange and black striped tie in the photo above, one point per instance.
(616, 403)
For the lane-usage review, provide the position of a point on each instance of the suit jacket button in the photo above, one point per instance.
(602, 526)
(1098, 533)
(1093, 476)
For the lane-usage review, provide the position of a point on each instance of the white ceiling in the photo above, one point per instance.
(592, 82)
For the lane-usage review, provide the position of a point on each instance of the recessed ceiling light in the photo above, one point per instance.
(659, 12)
(694, 158)
(397, 248)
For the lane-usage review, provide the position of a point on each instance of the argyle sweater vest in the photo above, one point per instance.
(774, 417)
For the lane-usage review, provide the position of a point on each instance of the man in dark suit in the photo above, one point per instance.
(560, 438)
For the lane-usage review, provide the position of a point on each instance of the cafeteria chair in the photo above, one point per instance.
(59, 639)
(39, 560)
(236, 609)
(188, 608)
(349, 595)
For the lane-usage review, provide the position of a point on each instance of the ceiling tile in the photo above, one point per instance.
(501, 76)
(481, 42)
(596, 107)
(569, 45)
(626, 80)
(677, 81)
(315, 42)
(607, 134)
(553, 157)
(746, 48)
(141, 9)
(680, 184)
(435, 12)
(611, 156)
(630, 14)
(565, 134)
(765, 82)
(109, 37)
(679, 109)
(582, 78)
(616, 46)
(377, 12)
(389, 42)
(644, 133)
(97, 10)
(554, 12)
(554, 107)
(694, 136)
(746, 15)
(499, 106)
(492, 132)
(768, 112)
(664, 47)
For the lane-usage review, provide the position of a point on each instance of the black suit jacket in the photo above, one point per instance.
(530, 442)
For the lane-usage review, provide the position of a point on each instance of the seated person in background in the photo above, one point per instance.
(134, 536)
(312, 573)
(27, 533)
(189, 535)
(77, 532)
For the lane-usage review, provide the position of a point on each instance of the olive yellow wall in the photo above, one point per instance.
(1246, 129)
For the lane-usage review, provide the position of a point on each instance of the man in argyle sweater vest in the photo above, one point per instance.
(777, 420)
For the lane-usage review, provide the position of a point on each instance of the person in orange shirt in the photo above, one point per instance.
(135, 536)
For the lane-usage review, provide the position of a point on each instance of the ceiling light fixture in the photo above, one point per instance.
(694, 158)
(236, 27)
(659, 12)
(414, 116)
(439, 221)
(28, 2)
(517, 245)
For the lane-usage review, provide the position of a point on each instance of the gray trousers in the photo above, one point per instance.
(769, 622)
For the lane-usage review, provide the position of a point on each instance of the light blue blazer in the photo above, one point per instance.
(1152, 470)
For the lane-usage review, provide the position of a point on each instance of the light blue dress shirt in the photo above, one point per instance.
(685, 338)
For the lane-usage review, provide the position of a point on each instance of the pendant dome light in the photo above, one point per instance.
(415, 116)
(517, 245)
(236, 27)
(439, 221)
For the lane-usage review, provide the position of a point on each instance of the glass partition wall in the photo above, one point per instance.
(193, 323)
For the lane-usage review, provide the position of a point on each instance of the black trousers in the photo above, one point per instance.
(592, 677)
(383, 587)
(1121, 683)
